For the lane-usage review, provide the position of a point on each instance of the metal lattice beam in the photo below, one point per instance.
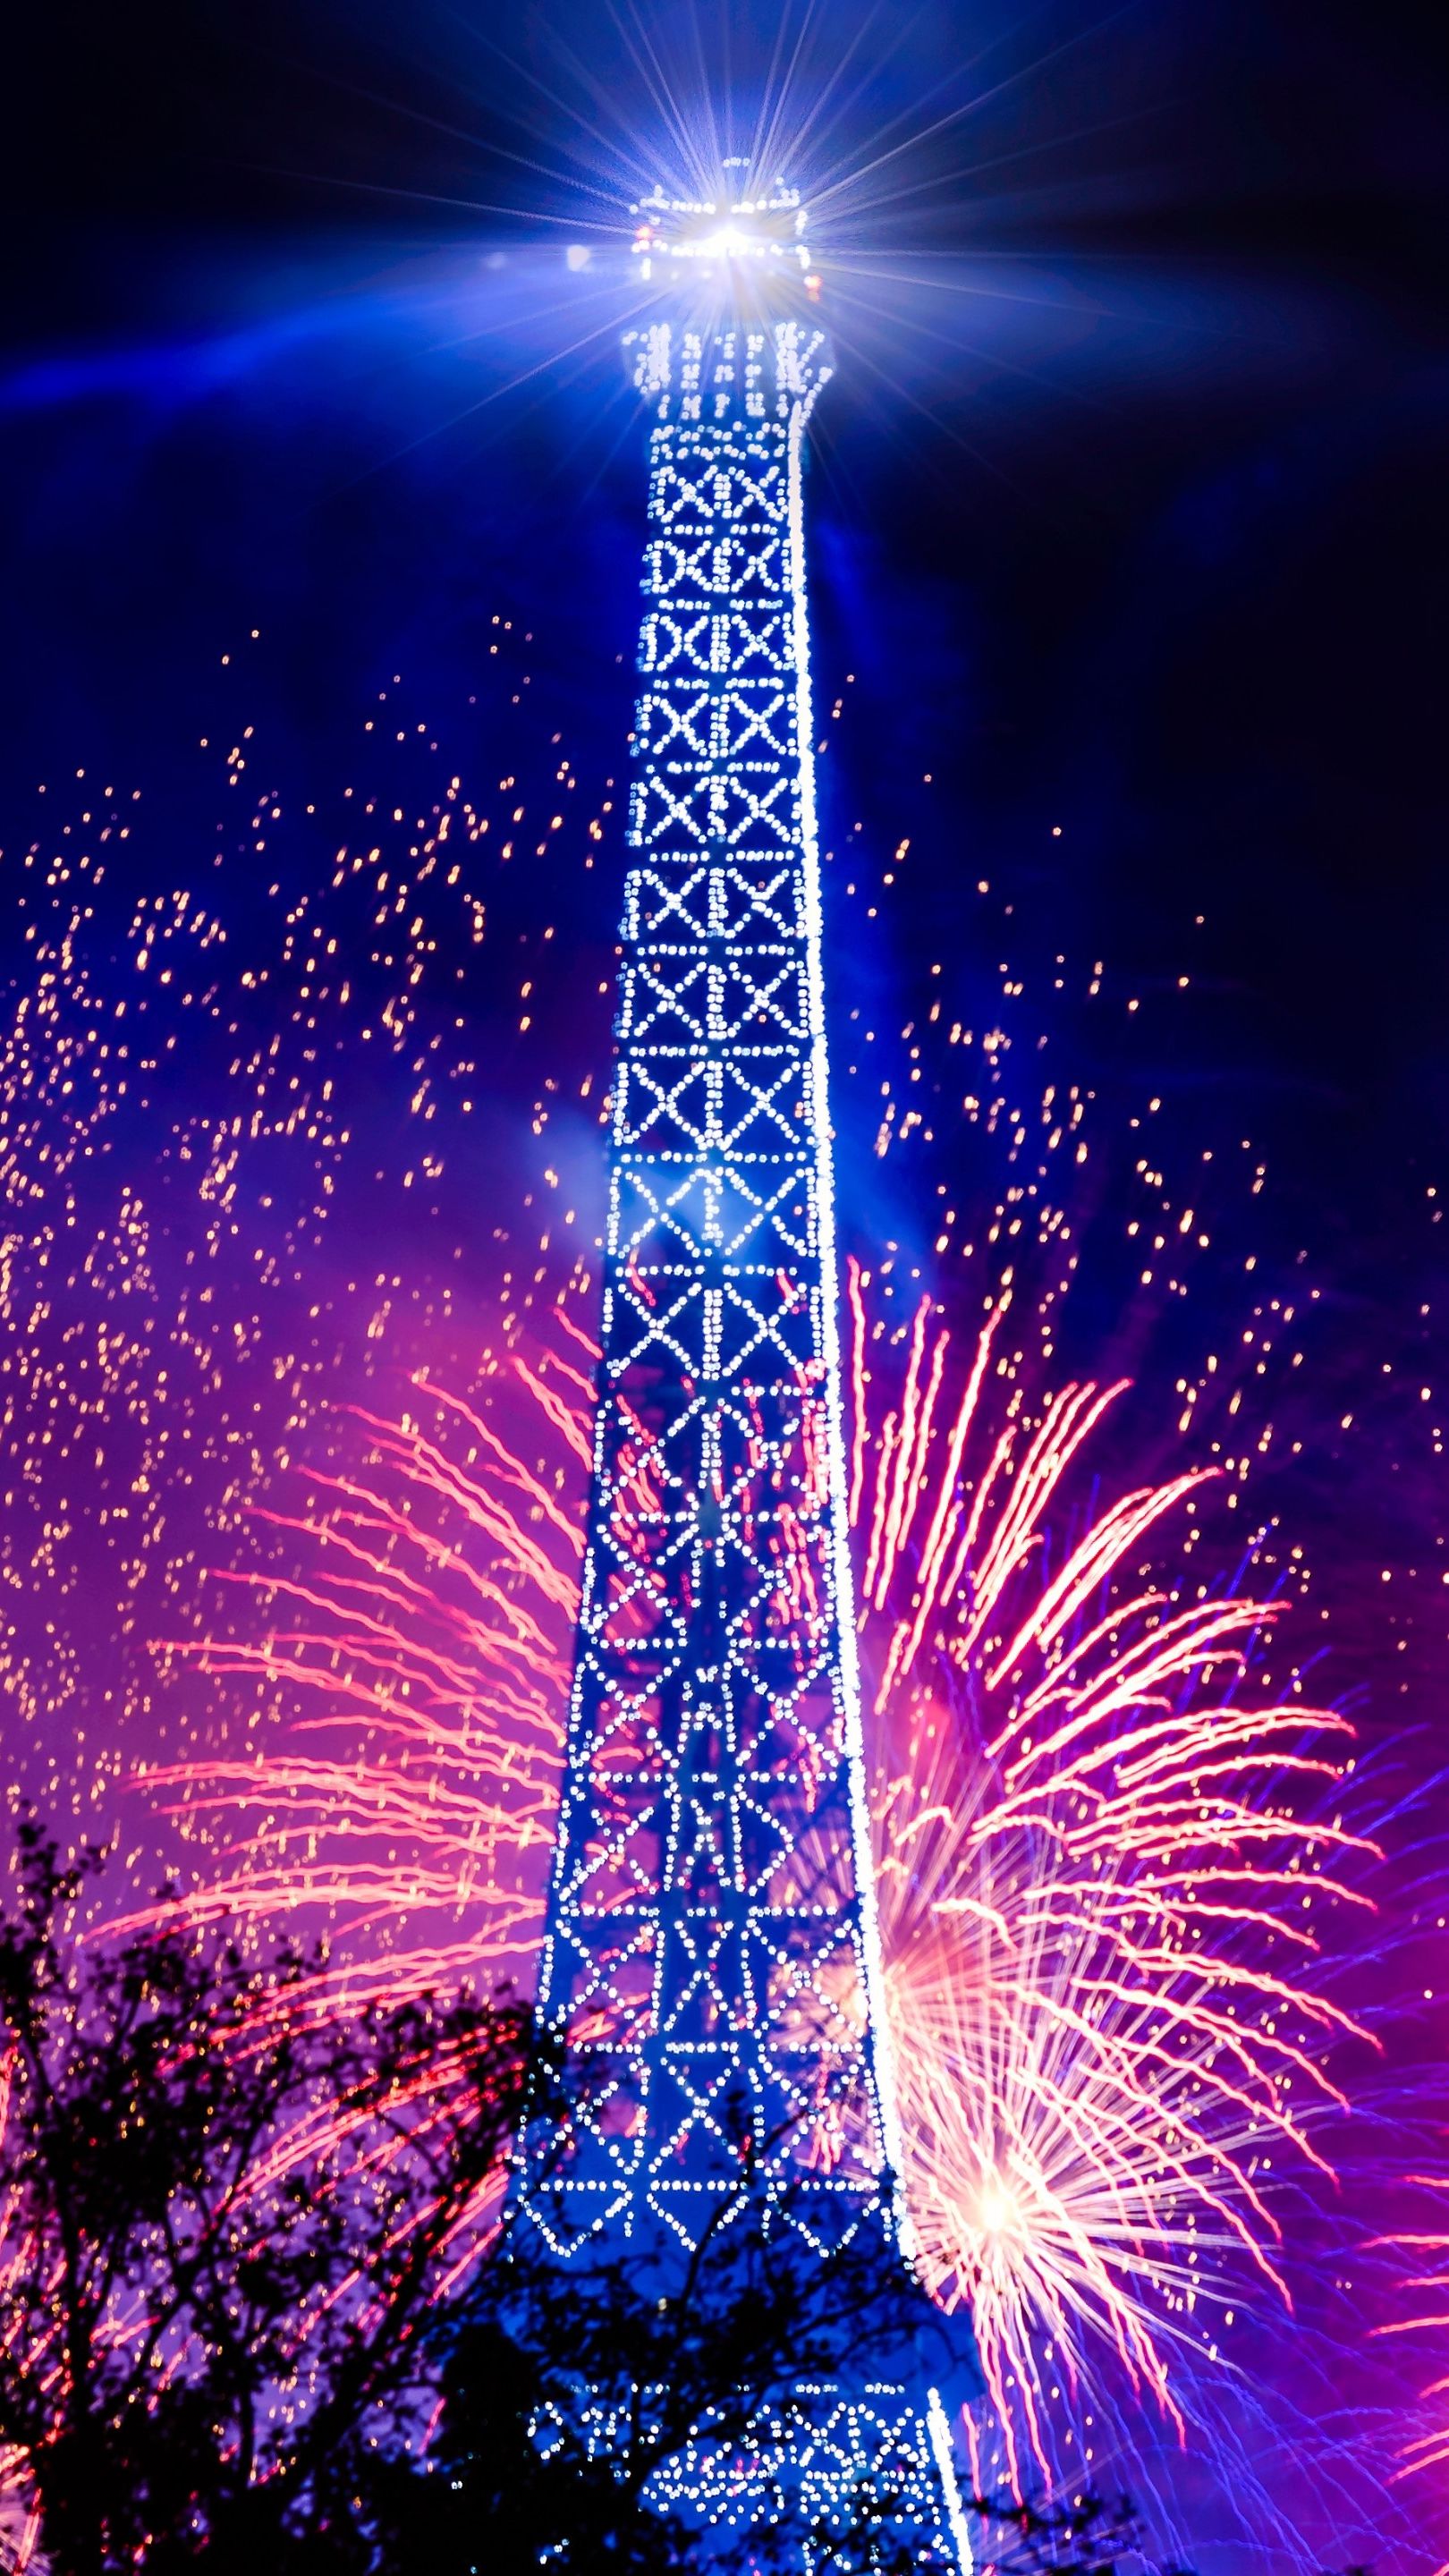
(711, 1935)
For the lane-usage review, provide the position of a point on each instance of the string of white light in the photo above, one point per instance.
(712, 1939)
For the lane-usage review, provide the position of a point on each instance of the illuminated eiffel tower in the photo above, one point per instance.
(712, 1927)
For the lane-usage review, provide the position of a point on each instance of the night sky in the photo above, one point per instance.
(1128, 577)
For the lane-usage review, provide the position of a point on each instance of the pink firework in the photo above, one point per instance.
(1103, 1869)
(1102, 1852)
(414, 1642)
(416, 1639)
(1424, 2288)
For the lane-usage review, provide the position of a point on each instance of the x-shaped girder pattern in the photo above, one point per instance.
(708, 1941)
(705, 1908)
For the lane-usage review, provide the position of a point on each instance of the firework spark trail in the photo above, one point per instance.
(1086, 1851)
(1424, 2286)
(240, 1087)
(406, 1800)
(1086, 1832)
(430, 1632)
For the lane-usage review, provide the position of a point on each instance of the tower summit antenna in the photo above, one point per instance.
(711, 1939)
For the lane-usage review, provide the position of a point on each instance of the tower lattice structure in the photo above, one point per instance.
(711, 1933)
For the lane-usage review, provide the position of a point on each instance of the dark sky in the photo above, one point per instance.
(1146, 540)
(1186, 580)
(1127, 518)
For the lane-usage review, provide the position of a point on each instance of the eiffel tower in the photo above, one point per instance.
(712, 1931)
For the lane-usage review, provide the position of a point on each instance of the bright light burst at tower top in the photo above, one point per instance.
(741, 243)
